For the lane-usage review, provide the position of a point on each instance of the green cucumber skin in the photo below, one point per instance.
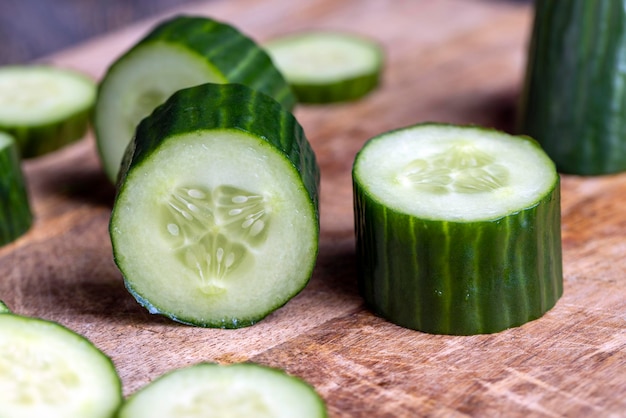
(35, 141)
(341, 91)
(574, 99)
(423, 274)
(262, 116)
(15, 211)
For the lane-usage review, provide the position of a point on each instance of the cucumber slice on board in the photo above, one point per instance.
(216, 219)
(234, 391)
(47, 370)
(15, 212)
(325, 67)
(44, 108)
(181, 52)
(458, 228)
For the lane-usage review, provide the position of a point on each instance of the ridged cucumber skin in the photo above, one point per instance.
(574, 98)
(15, 210)
(341, 91)
(234, 107)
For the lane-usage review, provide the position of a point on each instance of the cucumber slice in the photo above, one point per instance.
(44, 108)
(216, 219)
(15, 213)
(47, 370)
(325, 67)
(181, 52)
(4, 308)
(458, 228)
(235, 391)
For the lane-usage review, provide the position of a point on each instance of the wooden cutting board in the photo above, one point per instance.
(456, 61)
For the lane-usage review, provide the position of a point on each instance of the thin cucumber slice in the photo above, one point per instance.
(44, 108)
(4, 308)
(235, 391)
(15, 212)
(458, 228)
(181, 52)
(325, 67)
(47, 370)
(216, 219)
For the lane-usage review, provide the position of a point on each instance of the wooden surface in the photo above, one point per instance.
(447, 60)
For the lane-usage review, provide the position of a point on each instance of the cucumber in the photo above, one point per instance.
(457, 228)
(573, 101)
(47, 370)
(231, 391)
(15, 213)
(44, 108)
(181, 52)
(4, 308)
(215, 222)
(326, 67)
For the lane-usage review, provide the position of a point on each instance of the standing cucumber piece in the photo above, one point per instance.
(574, 102)
(235, 391)
(181, 52)
(44, 108)
(325, 67)
(15, 214)
(47, 370)
(216, 219)
(458, 228)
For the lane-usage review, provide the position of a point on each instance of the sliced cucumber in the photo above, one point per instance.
(4, 308)
(458, 228)
(181, 52)
(235, 391)
(15, 212)
(47, 370)
(44, 108)
(324, 67)
(216, 219)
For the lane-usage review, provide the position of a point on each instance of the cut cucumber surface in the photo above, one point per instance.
(325, 67)
(181, 52)
(47, 370)
(458, 228)
(44, 108)
(216, 219)
(15, 212)
(236, 391)
(4, 308)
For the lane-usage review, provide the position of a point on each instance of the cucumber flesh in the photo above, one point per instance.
(458, 228)
(235, 391)
(47, 370)
(181, 52)
(215, 223)
(325, 67)
(44, 108)
(15, 212)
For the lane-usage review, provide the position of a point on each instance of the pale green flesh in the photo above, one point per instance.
(453, 173)
(47, 371)
(140, 82)
(38, 95)
(324, 57)
(236, 391)
(214, 225)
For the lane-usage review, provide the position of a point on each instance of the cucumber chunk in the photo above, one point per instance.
(15, 212)
(44, 108)
(4, 308)
(234, 391)
(325, 67)
(458, 228)
(181, 52)
(216, 218)
(47, 370)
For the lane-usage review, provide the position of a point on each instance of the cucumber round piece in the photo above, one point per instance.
(216, 219)
(4, 308)
(44, 108)
(458, 228)
(15, 213)
(230, 391)
(326, 67)
(181, 52)
(47, 370)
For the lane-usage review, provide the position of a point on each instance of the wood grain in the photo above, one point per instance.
(448, 60)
